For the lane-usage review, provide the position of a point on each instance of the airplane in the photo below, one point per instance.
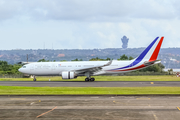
(71, 70)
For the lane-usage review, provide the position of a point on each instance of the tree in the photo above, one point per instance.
(123, 57)
(63, 61)
(153, 68)
(77, 59)
(43, 60)
(96, 59)
(6, 68)
(108, 59)
(170, 71)
(131, 58)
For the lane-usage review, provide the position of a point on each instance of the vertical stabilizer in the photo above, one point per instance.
(152, 51)
(156, 51)
(150, 54)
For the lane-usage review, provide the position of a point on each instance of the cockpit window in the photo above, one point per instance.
(24, 67)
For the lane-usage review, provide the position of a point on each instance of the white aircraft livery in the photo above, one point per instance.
(71, 70)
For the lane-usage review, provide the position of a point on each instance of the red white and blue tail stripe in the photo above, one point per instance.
(149, 55)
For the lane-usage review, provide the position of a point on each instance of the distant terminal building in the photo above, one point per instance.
(124, 40)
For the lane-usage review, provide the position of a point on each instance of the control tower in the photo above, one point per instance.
(124, 40)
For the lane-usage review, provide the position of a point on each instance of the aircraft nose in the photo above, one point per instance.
(20, 69)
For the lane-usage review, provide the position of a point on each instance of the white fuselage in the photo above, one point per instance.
(56, 68)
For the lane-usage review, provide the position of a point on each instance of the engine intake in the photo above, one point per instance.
(68, 75)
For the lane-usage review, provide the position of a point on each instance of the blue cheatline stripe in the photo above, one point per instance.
(139, 59)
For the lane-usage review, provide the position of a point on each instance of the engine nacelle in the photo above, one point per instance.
(68, 75)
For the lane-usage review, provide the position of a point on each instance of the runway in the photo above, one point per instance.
(90, 107)
(91, 84)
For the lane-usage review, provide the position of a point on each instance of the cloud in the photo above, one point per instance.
(9, 9)
(87, 24)
(88, 10)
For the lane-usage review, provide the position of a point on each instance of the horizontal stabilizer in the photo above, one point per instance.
(147, 63)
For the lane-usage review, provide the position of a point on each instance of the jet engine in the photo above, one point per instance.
(68, 75)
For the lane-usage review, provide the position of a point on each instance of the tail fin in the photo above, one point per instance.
(152, 51)
(156, 51)
(147, 57)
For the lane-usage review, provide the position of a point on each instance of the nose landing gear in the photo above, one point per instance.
(34, 78)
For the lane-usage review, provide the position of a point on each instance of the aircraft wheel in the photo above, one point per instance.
(87, 79)
(34, 80)
(92, 79)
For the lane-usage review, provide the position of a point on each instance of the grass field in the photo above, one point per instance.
(102, 78)
(14, 90)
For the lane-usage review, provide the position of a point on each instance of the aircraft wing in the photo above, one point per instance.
(92, 70)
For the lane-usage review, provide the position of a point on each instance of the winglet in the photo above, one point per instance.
(109, 63)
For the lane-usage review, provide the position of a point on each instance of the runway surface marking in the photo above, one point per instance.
(155, 117)
(32, 103)
(18, 98)
(46, 112)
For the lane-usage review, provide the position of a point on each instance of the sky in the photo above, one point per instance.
(87, 24)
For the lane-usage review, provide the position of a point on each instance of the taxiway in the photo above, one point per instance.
(90, 107)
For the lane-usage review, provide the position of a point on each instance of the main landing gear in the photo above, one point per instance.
(88, 74)
(89, 79)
